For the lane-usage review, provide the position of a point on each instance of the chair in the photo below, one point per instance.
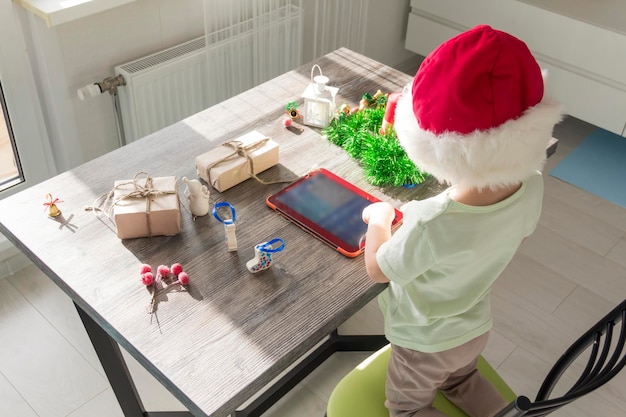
(361, 393)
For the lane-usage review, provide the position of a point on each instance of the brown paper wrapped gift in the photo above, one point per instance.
(237, 160)
(145, 207)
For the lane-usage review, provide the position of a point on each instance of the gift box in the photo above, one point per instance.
(145, 207)
(237, 160)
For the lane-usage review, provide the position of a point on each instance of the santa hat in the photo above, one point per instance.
(475, 113)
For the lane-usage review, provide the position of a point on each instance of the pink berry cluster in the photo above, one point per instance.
(163, 272)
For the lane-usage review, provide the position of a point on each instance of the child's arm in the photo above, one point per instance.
(378, 217)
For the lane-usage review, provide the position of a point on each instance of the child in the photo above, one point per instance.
(475, 118)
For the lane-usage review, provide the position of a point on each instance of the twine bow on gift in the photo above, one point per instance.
(241, 150)
(238, 149)
(147, 191)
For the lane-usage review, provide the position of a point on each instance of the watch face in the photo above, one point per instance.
(316, 113)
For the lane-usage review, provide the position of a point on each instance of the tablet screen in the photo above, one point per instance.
(327, 206)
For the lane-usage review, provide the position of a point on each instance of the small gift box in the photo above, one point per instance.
(237, 160)
(145, 207)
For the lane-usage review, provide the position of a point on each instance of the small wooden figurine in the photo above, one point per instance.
(197, 197)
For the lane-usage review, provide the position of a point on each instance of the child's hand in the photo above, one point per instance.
(378, 217)
(381, 213)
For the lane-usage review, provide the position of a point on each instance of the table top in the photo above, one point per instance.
(231, 332)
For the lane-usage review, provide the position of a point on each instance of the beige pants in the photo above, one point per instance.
(413, 379)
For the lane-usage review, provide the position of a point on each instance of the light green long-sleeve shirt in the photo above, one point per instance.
(442, 262)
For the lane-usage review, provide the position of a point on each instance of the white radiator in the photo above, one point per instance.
(163, 88)
(248, 47)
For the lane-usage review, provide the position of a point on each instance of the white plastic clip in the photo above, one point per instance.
(231, 238)
(229, 225)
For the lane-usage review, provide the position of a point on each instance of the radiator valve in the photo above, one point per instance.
(108, 84)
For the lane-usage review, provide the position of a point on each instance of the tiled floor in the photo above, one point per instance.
(564, 278)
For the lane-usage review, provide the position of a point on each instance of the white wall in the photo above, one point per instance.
(385, 25)
(386, 30)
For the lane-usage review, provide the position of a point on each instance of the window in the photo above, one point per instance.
(23, 137)
(10, 170)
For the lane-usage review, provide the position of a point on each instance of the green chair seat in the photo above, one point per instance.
(361, 393)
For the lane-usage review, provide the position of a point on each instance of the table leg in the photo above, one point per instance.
(110, 356)
(335, 343)
(114, 365)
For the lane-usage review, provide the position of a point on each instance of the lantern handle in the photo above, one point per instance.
(313, 70)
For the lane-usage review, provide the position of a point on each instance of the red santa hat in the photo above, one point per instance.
(475, 113)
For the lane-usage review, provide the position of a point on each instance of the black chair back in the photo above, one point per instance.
(607, 357)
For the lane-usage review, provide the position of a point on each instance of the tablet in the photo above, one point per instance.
(329, 208)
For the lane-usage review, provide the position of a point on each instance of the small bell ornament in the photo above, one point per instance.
(51, 204)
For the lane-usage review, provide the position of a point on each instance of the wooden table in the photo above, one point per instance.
(231, 333)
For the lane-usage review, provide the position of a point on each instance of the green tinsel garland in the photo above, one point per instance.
(383, 160)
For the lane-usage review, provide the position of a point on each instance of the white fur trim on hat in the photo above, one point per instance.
(501, 156)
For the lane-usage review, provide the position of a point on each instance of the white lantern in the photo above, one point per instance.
(319, 100)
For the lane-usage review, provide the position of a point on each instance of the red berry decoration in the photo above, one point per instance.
(145, 268)
(147, 278)
(163, 270)
(183, 278)
(176, 269)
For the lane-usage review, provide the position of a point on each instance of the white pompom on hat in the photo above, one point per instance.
(475, 113)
